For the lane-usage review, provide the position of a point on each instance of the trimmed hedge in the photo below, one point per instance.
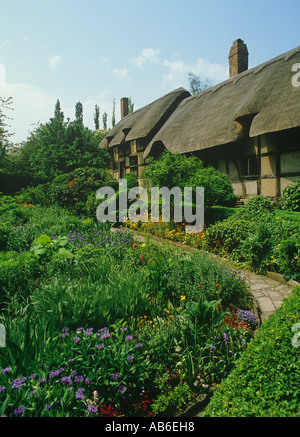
(265, 382)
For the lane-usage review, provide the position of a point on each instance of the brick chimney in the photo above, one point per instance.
(124, 107)
(238, 58)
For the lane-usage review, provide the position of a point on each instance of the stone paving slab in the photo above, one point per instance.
(268, 293)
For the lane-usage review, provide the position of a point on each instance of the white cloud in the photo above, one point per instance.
(5, 43)
(30, 106)
(121, 73)
(178, 70)
(147, 55)
(54, 60)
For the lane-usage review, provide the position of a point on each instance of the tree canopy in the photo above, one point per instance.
(59, 147)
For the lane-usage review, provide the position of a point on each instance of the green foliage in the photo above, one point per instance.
(289, 258)
(15, 267)
(176, 170)
(5, 103)
(59, 147)
(257, 247)
(173, 400)
(217, 187)
(72, 190)
(11, 183)
(196, 84)
(218, 214)
(257, 205)
(254, 234)
(290, 199)
(266, 379)
(171, 170)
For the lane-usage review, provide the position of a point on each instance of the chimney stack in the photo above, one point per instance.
(124, 107)
(238, 58)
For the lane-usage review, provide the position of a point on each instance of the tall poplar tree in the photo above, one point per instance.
(97, 117)
(79, 113)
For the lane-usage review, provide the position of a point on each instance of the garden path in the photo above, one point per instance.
(268, 291)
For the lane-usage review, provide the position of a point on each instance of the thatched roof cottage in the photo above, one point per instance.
(247, 126)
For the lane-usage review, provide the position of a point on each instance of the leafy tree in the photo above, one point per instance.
(130, 105)
(59, 147)
(196, 84)
(58, 114)
(5, 103)
(97, 117)
(79, 113)
(113, 120)
(104, 118)
(176, 170)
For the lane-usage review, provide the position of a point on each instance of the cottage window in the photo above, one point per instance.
(249, 166)
(133, 161)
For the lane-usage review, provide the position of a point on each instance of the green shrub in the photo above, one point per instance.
(11, 183)
(256, 206)
(266, 379)
(218, 214)
(226, 236)
(72, 190)
(38, 195)
(289, 258)
(176, 170)
(257, 247)
(290, 199)
(18, 273)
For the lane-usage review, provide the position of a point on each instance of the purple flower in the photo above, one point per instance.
(88, 380)
(33, 376)
(42, 380)
(123, 329)
(212, 347)
(122, 389)
(79, 394)
(76, 339)
(129, 338)
(116, 376)
(100, 346)
(78, 378)
(19, 410)
(6, 370)
(92, 409)
(226, 338)
(33, 393)
(18, 383)
(139, 345)
(247, 316)
(2, 388)
(130, 358)
(66, 380)
(48, 406)
(105, 335)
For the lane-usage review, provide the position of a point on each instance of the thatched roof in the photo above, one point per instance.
(146, 121)
(257, 101)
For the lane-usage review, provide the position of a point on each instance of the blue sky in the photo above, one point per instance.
(95, 51)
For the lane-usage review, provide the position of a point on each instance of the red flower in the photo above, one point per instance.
(150, 260)
(135, 245)
(142, 257)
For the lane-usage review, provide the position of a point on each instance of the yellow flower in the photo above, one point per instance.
(182, 298)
